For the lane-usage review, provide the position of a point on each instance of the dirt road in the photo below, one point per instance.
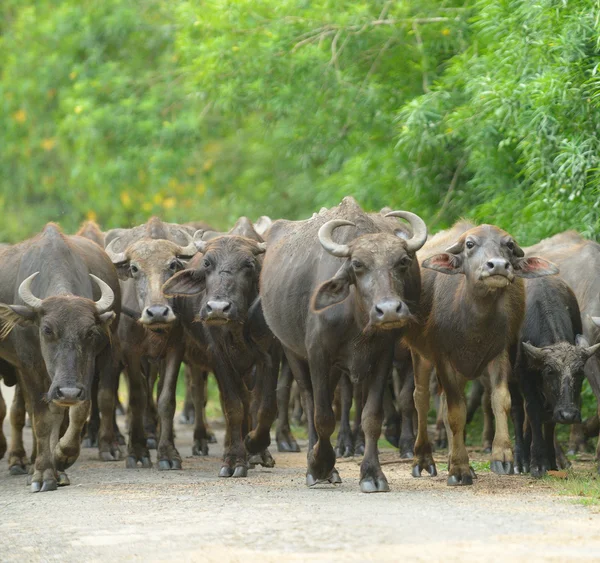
(111, 513)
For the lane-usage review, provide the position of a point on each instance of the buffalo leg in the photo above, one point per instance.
(67, 449)
(487, 437)
(345, 447)
(475, 398)
(502, 455)
(17, 458)
(392, 420)
(188, 414)
(137, 449)
(167, 455)
(283, 435)
(459, 471)
(407, 411)
(195, 378)
(321, 459)
(372, 479)
(47, 419)
(90, 439)
(302, 376)
(235, 405)
(151, 413)
(360, 393)
(423, 458)
(257, 441)
(518, 418)
(577, 442)
(108, 370)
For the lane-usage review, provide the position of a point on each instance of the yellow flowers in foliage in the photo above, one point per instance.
(20, 116)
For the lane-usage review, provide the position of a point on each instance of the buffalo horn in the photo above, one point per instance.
(191, 247)
(418, 227)
(107, 297)
(325, 233)
(25, 294)
(115, 257)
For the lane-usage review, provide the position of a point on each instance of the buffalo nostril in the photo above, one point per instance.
(506, 265)
(490, 265)
(399, 308)
(59, 394)
(149, 312)
(208, 308)
(378, 311)
(165, 311)
(227, 307)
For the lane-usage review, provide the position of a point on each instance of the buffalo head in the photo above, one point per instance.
(489, 258)
(72, 331)
(149, 263)
(561, 365)
(228, 275)
(378, 265)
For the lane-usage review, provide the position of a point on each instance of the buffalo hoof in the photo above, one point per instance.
(265, 459)
(121, 439)
(472, 472)
(151, 443)
(502, 467)
(417, 470)
(200, 448)
(212, 439)
(240, 471)
(89, 443)
(374, 485)
(186, 419)
(333, 479)
(131, 462)
(460, 480)
(391, 435)
(17, 470)
(47, 485)
(441, 444)
(111, 453)
(538, 471)
(226, 471)
(344, 451)
(408, 454)
(359, 449)
(169, 464)
(286, 442)
(63, 479)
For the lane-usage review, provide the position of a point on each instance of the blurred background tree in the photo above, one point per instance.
(118, 110)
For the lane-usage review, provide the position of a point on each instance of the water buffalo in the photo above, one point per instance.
(232, 338)
(339, 307)
(549, 367)
(473, 302)
(59, 301)
(150, 333)
(579, 263)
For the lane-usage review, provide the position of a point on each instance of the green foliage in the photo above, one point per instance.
(515, 120)
(118, 110)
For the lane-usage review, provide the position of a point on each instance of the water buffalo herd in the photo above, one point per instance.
(354, 306)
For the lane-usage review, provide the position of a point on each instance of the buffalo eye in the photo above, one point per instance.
(357, 265)
(470, 244)
(90, 334)
(47, 330)
(206, 263)
(510, 245)
(175, 266)
(248, 265)
(404, 262)
(134, 269)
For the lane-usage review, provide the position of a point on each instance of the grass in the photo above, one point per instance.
(581, 484)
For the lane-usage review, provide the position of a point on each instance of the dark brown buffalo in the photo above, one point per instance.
(60, 296)
(579, 263)
(146, 257)
(549, 368)
(338, 307)
(473, 302)
(231, 339)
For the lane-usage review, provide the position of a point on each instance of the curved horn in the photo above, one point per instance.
(418, 226)
(260, 247)
(33, 302)
(107, 297)
(191, 248)
(198, 242)
(115, 257)
(325, 232)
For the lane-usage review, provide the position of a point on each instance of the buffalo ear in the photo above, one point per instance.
(107, 318)
(13, 315)
(445, 263)
(187, 282)
(534, 267)
(332, 291)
